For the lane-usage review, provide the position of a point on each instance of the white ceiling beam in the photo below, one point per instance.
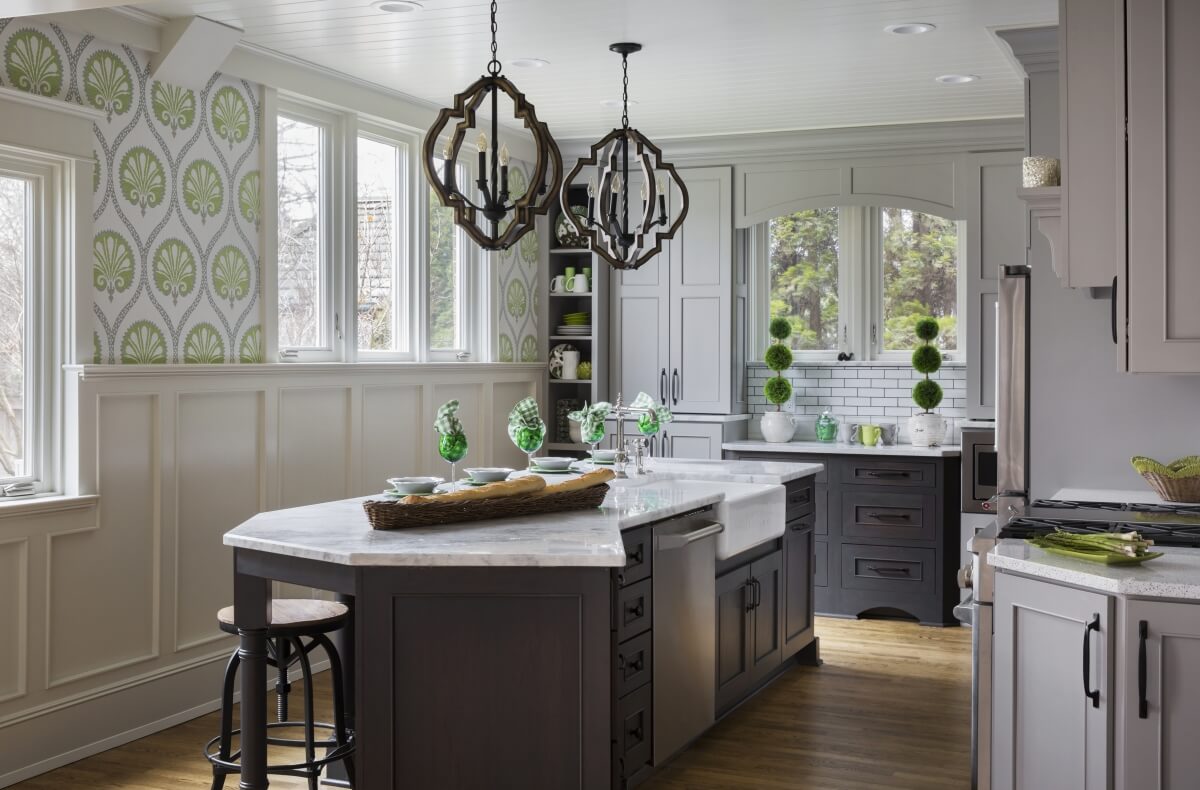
(35, 7)
(192, 49)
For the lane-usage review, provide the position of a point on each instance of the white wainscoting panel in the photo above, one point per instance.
(104, 582)
(14, 618)
(218, 482)
(107, 609)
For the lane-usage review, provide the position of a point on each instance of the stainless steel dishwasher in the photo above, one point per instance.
(685, 631)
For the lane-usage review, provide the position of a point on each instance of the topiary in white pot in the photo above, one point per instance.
(777, 426)
(927, 429)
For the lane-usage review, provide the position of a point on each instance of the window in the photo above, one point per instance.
(447, 275)
(919, 259)
(304, 244)
(382, 278)
(857, 278)
(803, 266)
(16, 225)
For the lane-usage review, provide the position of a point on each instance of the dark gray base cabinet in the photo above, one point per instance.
(885, 535)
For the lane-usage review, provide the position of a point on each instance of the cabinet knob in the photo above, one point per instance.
(638, 609)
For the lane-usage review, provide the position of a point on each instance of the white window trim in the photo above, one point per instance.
(51, 240)
(408, 291)
(860, 291)
(475, 305)
(334, 239)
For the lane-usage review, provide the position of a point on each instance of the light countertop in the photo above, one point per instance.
(766, 472)
(338, 532)
(1175, 575)
(700, 418)
(837, 448)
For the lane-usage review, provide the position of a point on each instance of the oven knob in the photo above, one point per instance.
(965, 577)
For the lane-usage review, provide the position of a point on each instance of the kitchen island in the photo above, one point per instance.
(494, 653)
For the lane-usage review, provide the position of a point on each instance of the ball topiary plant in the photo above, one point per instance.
(778, 358)
(927, 359)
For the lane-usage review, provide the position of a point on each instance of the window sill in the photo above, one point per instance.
(45, 503)
(90, 372)
(860, 363)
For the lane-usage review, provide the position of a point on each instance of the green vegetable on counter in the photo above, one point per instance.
(1110, 548)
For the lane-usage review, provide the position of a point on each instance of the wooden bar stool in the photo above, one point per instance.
(292, 621)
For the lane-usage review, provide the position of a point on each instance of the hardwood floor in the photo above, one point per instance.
(889, 708)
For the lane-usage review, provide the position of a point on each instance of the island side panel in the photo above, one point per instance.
(484, 677)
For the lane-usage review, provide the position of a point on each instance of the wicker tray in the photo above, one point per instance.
(396, 515)
(1178, 481)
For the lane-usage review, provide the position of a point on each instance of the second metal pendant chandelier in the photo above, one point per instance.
(624, 239)
(494, 218)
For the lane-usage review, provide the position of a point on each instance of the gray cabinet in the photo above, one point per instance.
(1051, 722)
(749, 629)
(1158, 709)
(673, 329)
(799, 554)
(682, 438)
(1163, 72)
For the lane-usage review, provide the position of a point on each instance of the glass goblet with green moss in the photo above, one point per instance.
(452, 447)
(594, 438)
(528, 438)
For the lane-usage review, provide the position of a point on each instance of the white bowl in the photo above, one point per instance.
(607, 456)
(553, 463)
(489, 474)
(414, 485)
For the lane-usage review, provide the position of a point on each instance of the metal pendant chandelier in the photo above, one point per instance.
(626, 241)
(483, 217)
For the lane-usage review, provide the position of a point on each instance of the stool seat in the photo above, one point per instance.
(291, 615)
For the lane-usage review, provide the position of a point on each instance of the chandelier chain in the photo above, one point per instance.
(625, 91)
(494, 64)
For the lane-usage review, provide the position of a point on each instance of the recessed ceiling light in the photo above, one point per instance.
(529, 63)
(613, 104)
(957, 79)
(910, 28)
(397, 6)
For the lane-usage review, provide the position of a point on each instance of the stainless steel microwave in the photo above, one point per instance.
(978, 469)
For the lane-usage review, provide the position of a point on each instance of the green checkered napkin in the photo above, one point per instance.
(661, 412)
(447, 422)
(590, 417)
(525, 414)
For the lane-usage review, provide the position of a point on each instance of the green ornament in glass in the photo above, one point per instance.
(528, 438)
(827, 427)
(452, 447)
(594, 438)
(648, 424)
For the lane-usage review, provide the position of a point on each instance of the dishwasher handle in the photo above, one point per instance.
(678, 541)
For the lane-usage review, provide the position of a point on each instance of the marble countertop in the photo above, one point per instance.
(765, 472)
(837, 448)
(1174, 576)
(700, 418)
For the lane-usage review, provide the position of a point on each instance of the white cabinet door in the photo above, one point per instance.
(1052, 646)
(1163, 67)
(1159, 710)
(701, 264)
(639, 331)
(693, 440)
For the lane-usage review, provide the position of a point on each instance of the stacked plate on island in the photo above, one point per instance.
(577, 324)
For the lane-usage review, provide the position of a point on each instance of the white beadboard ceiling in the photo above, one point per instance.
(708, 67)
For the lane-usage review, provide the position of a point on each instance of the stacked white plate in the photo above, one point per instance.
(563, 329)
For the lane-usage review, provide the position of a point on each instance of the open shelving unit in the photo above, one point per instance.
(592, 347)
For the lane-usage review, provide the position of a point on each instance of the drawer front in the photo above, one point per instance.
(639, 555)
(635, 723)
(894, 516)
(634, 659)
(893, 569)
(800, 499)
(634, 610)
(820, 563)
(886, 472)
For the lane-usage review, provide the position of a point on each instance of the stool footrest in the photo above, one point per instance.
(233, 765)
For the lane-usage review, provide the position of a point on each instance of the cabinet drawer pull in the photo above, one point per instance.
(1089, 692)
(1113, 318)
(803, 498)
(675, 387)
(890, 516)
(1143, 635)
(638, 609)
(637, 733)
(662, 385)
(636, 555)
(886, 473)
(748, 594)
(884, 570)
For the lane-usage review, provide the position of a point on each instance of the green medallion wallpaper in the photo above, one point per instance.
(177, 201)
(515, 281)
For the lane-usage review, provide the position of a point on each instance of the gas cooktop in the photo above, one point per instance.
(1123, 507)
(1166, 524)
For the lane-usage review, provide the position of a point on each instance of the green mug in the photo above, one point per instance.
(870, 434)
(569, 272)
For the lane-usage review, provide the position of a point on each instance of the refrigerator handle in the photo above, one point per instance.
(1114, 312)
(1012, 398)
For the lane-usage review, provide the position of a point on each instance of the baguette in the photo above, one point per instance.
(529, 484)
(595, 478)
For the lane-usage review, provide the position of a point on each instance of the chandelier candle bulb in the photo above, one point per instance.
(504, 155)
